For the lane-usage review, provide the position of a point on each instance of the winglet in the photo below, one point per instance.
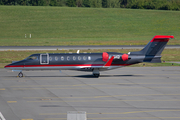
(108, 64)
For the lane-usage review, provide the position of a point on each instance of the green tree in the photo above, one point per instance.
(113, 3)
(79, 3)
(53, 3)
(104, 3)
(37, 2)
(176, 4)
(96, 3)
(123, 3)
(61, 2)
(86, 3)
(149, 4)
(71, 3)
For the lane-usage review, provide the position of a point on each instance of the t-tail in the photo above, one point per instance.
(152, 51)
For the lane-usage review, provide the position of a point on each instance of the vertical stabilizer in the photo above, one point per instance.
(152, 51)
(155, 46)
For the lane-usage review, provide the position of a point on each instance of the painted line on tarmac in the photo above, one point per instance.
(77, 85)
(131, 112)
(2, 117)
(134, 112)
(103, 96)
(26, 119)
(174, 76)
(120, 118)
(119, 87)
(11, 101)
(55, 119)
(75, 101)
(133, 118)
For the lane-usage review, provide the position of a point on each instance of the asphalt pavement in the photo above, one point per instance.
(133, 93)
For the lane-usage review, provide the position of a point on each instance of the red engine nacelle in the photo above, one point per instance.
(124, 57)
(105, 56)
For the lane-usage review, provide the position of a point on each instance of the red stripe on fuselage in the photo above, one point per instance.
(90, 65)
(53, 65)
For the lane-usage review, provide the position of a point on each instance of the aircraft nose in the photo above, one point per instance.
(6, 66)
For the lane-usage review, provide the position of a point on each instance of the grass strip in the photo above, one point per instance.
(50, 26)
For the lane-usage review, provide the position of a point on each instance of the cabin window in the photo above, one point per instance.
(62, 58)
(84, 58)
(50, 58)
(74, 57)
(89, 57)
(56, 58)
(68, 58)
(79, 57)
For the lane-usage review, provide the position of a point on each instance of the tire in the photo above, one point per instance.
(96, 75)
(20, 74)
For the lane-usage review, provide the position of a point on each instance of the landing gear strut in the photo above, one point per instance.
(20, 74)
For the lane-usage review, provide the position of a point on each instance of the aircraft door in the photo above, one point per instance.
(44, 59)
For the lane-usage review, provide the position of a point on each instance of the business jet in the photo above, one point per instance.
(92, 62)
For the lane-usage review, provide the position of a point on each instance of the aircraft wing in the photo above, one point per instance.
(108, 64)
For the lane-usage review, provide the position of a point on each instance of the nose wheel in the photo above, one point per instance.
(20, 74)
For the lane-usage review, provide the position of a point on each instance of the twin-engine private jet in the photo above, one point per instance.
(92, 62)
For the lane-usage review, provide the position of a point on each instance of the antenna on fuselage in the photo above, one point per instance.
(78, 51)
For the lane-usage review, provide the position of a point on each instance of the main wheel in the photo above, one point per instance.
(96, 75)
(20, 74)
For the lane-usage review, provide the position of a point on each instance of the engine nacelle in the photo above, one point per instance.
(125, 57)
(105, 56)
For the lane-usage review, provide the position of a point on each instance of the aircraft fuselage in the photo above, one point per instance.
(63, 61)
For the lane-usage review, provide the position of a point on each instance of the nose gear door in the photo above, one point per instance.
(44, 59)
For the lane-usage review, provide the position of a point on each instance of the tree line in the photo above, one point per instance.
(133, 4)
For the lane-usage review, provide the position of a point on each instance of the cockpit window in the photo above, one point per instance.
(32, 58)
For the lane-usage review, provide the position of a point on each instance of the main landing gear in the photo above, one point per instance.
(96, 73)
(20, 74)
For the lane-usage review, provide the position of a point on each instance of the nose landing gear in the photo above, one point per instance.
(20, 74)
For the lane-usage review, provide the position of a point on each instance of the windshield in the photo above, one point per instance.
(32, 58)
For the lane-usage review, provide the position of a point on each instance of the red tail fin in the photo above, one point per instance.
(161, 38)
(155, 46)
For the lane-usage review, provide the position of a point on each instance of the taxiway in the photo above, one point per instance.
(29, 48)
(131, 93)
